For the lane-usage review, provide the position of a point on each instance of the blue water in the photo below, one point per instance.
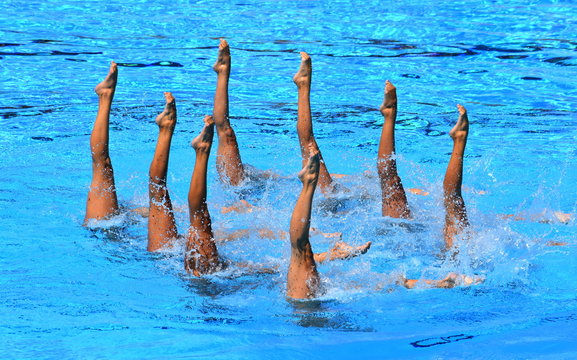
(69, 292)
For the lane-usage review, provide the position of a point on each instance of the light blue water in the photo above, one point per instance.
(68, 292)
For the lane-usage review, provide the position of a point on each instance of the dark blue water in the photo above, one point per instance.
(68, 292)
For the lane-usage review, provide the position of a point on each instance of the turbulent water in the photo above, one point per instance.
(73, 292)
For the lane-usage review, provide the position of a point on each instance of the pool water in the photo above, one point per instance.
(69, 292)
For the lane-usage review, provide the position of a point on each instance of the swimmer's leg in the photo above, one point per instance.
(102, 201)
(393, 195)
(161, 224)
(302, 79)
(201, 254)
(228, 162)
(303, 280)
(455, 212)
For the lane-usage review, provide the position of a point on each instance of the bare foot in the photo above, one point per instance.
(305, 72)
(167, 118)
(390, 100)
(222, 64)
(108, 85)
(203, 141)
(310, 173)
(461, 128)
(342, 250)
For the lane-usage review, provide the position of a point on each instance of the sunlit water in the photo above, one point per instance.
(69, 292)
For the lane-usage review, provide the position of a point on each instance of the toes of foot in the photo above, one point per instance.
(208, 120)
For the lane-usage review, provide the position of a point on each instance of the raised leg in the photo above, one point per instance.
(303, 280)
(201, 254)
(102, 201)
(161, 224)
(393, 195)
(228, 162)
(455, 212)
(303, 79)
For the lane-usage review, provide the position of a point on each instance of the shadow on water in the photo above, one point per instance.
(25, 110)
(113, 234)
(230, 281)
(74, 53)
(50, 53)
(393, 227)
(441, 340)
(158, 63)
(322, 314)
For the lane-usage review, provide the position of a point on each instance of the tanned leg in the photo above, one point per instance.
(102, 201)
(393, 195)
(201, 253)
(228, 162)
(303, 280)
(455, 212)
(302, 79)
(161, 224)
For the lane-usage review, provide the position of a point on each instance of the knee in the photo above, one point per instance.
(307, 138)
(228, 135)
(101, 161)
(386, 168)
(454, 202)
(157, 189)
(156, 181)
(389, 179)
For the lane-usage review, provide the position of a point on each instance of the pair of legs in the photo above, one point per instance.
(201, 255)
(393, 195)
(229, 163)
